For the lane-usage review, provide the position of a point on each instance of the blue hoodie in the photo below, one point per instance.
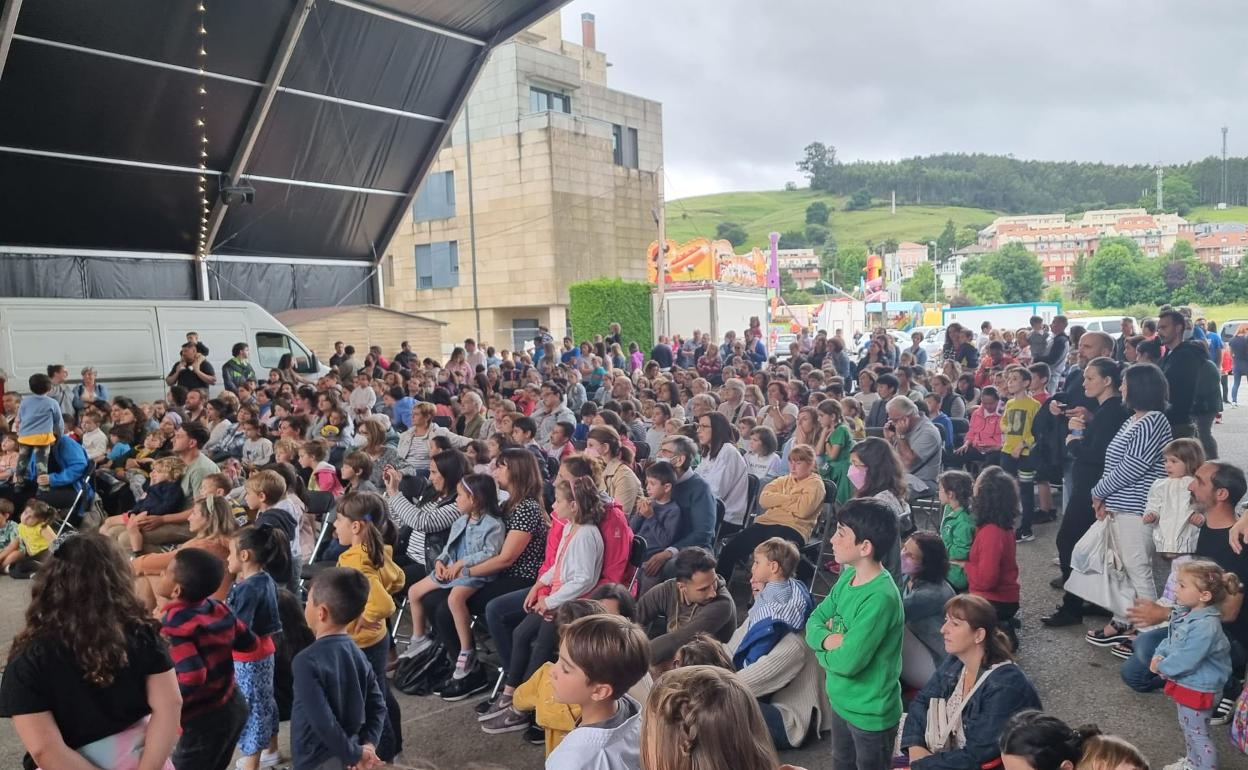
(1195, 653)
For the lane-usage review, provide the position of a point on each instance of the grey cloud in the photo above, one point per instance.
(746, 84)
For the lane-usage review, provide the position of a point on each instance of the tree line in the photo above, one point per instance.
(1011, 185)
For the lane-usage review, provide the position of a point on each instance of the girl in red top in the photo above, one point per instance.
(992, 567)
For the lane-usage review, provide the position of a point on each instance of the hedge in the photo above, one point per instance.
(595, 305)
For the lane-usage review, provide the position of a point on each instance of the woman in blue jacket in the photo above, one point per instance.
(956, 720)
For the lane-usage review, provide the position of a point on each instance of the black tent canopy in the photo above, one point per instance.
(331, 110)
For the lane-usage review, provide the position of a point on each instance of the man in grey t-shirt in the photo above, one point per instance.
(917, 441)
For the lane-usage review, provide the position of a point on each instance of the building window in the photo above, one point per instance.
(624, 146)
(541, 100)
(436, 199)
(437, 265)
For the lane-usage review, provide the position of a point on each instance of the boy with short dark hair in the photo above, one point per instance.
(856, 633)
(338, 708)
(600, 658)
(657, 517)
(561, 440)
(203, 634)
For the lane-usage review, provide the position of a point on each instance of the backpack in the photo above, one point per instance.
(419, 674)
(1208, 396)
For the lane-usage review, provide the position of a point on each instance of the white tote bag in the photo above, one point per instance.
(1097, 573)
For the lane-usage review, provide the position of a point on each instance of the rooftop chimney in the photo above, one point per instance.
(588, 38)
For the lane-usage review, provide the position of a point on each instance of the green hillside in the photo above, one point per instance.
(1203, 214)
(763, 212)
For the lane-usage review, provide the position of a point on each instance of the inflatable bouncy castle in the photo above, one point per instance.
(873, 289)
(701, 260)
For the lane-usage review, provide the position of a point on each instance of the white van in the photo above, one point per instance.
(1109, 324)
(133, 344)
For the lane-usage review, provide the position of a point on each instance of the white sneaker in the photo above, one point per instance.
(1180, 765)
(416, 646)
(270, 758)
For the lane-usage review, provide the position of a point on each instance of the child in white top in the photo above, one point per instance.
(762, 459)
(93, 439)
(1169, 511)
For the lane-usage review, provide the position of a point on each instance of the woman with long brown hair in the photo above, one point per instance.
(382, 454)
(89, 672)
(961, 712)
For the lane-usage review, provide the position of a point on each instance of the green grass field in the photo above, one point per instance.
(1211, 214)
(763, 212)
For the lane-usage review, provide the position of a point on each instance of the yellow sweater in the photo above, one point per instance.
(381, 584)
(792, 503)
(538, 694)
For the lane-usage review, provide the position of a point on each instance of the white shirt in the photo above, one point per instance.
(95, 443)
(728, 478)
(362, 400)
(475, 358)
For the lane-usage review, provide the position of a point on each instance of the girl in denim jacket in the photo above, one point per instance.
(474, 537)
(1195, 658)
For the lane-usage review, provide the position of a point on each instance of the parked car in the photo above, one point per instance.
(1229, 328)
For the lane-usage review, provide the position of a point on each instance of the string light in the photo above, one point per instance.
(202, 125)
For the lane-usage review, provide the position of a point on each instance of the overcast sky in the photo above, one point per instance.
(745, 85)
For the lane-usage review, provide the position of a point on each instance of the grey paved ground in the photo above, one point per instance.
(1076, 681)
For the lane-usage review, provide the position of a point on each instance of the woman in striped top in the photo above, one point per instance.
(1133, 460)
(433, 511)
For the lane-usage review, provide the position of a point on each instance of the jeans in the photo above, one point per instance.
(207, 741)
(775, 726)
(1134, 672)
(1136, 541)
(391, 742)
(855, 749)
(1235, 375)
(503, 615)
(1022, 469)
(1201, 753)
(1204, 431)
(534, 642)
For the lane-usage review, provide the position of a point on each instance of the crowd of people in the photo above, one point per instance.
(570, 530)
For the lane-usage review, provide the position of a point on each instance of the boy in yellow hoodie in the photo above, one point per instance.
(538, 693)
(355, 527)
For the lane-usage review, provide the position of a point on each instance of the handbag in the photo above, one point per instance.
(942, 727)
(418, 675)
(1098, 574)
(1239, 722)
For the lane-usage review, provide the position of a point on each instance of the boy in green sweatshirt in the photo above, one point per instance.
(856, 633)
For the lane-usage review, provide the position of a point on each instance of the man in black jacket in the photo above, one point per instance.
(1181, 365)
(1059, 349)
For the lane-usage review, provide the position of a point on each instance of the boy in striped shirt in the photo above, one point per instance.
(203, 635)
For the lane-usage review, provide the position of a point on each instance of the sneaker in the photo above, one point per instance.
(490, 708)
(1180, 765)
(1120, 633)
(464, 664)
(418, 645)
(1223, 713)
(1023, 537)
(535, 735)
(507, 721)
(270, 758)
(458, 689)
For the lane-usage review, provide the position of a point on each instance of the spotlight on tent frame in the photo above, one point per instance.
(233, 194)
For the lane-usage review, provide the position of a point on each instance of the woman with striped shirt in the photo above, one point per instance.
(433, 511)
(1133, 460)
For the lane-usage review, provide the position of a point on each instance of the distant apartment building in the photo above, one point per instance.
(1226, 248)
(801, 264)
(1059, 244)
(563, 185)
(908, 258)
(950, 271)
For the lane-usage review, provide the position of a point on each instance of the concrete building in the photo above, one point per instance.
(908, 257)
(563, 183)
(801, 264)
(950, 271)
(1222, 248)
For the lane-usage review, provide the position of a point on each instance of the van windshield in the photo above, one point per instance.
(271, 346)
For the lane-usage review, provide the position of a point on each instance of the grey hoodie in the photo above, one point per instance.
(612, 745)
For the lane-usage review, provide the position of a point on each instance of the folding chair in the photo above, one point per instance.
(320, 504)
(636, 557)
(754, 486)
(78, 507)
(813, 552)
(720, 513)
(925, 512)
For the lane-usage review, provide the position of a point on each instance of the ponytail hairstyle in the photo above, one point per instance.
(978, 613)
(269, 547)
(1044, 741)
(959, 485)
(582, 464)
(703, 718)
(1109, 369)
(484, 492)
(1210, 577)
(218, 518)
(582, 492)
(365, 508)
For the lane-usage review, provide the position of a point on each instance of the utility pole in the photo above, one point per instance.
(935, 273)
(660, 219)
(1223, 200)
